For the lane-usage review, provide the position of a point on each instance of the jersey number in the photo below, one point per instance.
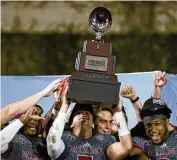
(83, 157)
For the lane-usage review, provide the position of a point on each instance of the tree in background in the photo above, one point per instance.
(143, 36)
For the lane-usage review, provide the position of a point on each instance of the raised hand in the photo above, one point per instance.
(52, 87)
(60, 88)
(128, 92)
(64, 92)
(28, 116)
(160, 79)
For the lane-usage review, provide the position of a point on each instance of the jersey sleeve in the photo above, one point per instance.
(110, 140)
(138, 143)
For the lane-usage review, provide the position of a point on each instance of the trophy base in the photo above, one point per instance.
(93, 88)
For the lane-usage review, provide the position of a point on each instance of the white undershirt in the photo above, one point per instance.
(8, 133)
(55, 145)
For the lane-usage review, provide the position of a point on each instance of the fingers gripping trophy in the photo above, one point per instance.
(93, 80)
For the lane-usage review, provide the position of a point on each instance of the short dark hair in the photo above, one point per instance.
(38, 106)
(80, 106)
(104, 109)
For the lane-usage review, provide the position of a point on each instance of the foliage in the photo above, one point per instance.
(54, 54)
(72, 16)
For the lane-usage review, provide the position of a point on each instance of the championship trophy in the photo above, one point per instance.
(93, 80)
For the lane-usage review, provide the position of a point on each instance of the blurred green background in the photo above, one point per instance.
(44, 37)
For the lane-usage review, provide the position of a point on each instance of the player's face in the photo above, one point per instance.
(104, 122)
(31, 128)
(157, 130)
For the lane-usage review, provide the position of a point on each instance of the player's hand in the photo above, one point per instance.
(28, 116)
(160, 79)
(77, 122)
(128, 92)
(64, 93)
(78, 119)
(60, 89)
(58, 93)
(51, 88)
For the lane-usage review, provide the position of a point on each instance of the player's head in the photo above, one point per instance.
(32, 127)
(83, 109)
(155, 114)
(103, 121)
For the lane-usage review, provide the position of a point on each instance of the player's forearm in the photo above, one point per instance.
(54, 110)
(123, 132)
(117, 151)
(48, 115)
(55, 146)
(126, 142)
(157, 92)
(138, 107)
(64, 108)
(13, 110)
(8, 133)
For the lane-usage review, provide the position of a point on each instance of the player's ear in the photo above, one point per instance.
(167, 122)
(93, 126)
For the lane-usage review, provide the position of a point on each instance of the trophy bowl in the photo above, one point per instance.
(100, 21)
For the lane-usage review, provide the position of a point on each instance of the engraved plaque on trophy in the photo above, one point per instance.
(94, 80)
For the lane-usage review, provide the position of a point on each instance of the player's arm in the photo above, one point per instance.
(138, 148)
(137, 153)
(13, 110)
(53, 112)
(129, 92)
(8, 133)
(160, 79)
(49, 117)
(55, 145)
(119, 150)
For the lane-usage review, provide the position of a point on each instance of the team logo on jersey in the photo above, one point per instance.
(71, 138)
(118, 125)
(147, 143)
(52, 139)
(163, 145)
(22, 140)
(100, 137)
(87, 145)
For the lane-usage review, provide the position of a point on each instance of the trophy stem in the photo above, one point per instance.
(98, 37)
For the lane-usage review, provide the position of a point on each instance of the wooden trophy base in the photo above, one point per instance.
(93, 88)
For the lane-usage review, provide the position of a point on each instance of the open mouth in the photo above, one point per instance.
(155, 137)
(32, 128)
